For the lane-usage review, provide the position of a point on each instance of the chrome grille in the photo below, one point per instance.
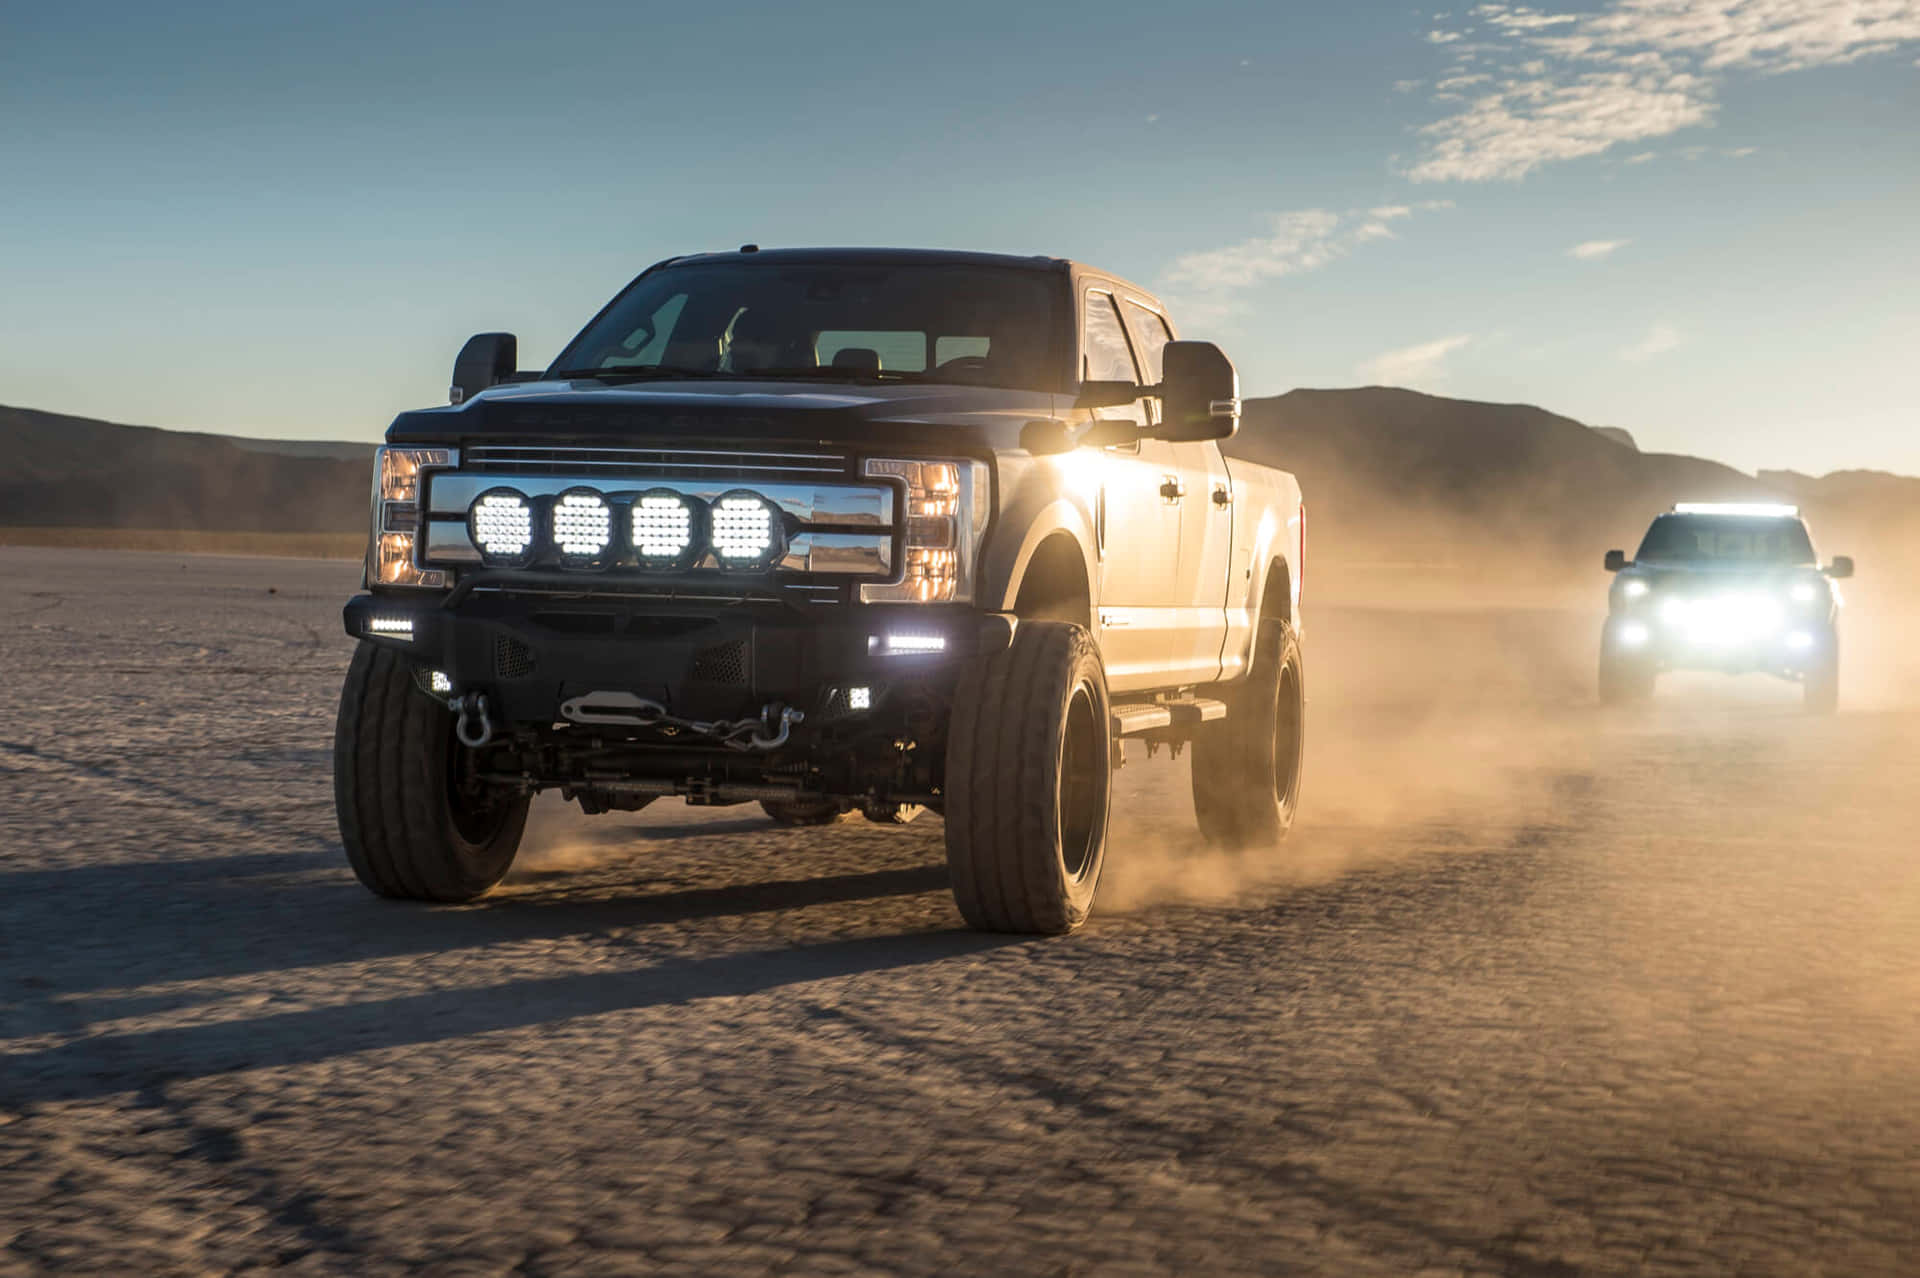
(650, 463)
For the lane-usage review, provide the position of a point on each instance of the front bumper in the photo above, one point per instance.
(531, 653)
(1789, 650)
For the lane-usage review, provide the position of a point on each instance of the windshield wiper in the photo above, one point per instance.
(648, 372)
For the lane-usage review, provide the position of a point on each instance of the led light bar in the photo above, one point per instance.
(1752, 509)
(582, 528)
(745, 530)
(391, 627)
(500, 522)
(663, 529)
(898, 644)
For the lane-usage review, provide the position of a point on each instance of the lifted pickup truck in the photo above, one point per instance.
(1728, 586)
(825, 530)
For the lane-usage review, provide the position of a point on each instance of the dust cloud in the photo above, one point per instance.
(1461, 714)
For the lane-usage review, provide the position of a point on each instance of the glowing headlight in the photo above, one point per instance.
(500, 522)
(745, 531)
(1805, 592)
(1634, 588)
(397, 489)
(582, 528)
(1634, 635)
(661, 529)
(947, 511)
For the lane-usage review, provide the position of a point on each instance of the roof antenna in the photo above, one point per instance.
(749, 248)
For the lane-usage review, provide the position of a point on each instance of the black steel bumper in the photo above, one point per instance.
(701, 660)
(1791, 651)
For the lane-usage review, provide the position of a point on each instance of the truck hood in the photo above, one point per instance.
(1718, 574)
(909, 415)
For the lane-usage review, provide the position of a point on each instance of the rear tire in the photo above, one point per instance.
(1029, 782)
(415, 824)
(1246, 767)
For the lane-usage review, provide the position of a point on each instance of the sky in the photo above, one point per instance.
(1695, 219)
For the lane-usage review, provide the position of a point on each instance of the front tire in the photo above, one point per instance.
(1247, 767)
(415, 822)
(1624, 679)
(1820, 686)
(1029, 782)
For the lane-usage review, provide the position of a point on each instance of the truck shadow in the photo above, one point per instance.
(178, 922)
(106, 1064)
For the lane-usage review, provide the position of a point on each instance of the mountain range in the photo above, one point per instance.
(1391, 476)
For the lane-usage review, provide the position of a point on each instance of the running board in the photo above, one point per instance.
(1138, 720)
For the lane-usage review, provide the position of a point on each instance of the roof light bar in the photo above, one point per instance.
(1752, 509)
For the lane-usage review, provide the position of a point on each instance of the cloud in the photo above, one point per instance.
(1300, 241)
(1593, 250)
(1563, 86)
(1660, 339)
(1423, 363)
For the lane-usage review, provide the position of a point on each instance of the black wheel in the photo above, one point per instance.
(416, 821)
(1820, 687)
(1246, 767)
(812, 810)
(1028, 782)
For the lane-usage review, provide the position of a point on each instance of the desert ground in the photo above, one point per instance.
(1535, 989)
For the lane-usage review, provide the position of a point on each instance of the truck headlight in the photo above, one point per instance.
(947, 508)
(398, 482)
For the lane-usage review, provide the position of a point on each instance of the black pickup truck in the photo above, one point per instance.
(827, 530)
(1733, 587)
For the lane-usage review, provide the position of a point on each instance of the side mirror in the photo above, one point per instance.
(1107, 432)
(1199, 393)
(1841, 568)
(1108, 394)
(486, 360)
(1048, 437)
(1616, 560)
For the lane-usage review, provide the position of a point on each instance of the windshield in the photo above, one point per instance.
(982, 326)
(1727, 539)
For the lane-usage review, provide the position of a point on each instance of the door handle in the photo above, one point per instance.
(1172, 490)
(1223, 496)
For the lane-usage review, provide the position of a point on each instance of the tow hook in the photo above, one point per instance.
(474, 727)
(787, 718)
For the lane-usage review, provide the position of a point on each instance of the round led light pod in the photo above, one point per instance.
(745, 531)
(581, 528)
(500, 525)
(664, 529)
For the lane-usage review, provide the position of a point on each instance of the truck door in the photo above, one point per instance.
(1205, 495)
(1139, 519)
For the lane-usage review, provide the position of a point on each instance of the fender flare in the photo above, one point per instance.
(1057, 518)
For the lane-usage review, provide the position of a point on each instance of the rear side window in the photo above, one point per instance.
(1107, 357)
(1154, 336)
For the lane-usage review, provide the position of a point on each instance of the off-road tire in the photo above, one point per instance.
(1624, 681)
(807, 811)
(1820, 686)
(1029, 782)
(1246, 767)
(396, 765)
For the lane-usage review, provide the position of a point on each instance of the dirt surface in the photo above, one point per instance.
(1535, 989)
